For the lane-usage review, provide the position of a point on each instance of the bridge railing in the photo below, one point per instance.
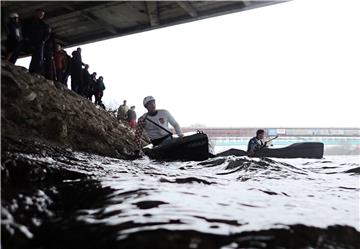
(228, 141)
(288, 132)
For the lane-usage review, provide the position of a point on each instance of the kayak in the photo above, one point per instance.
(191, 147)
(297, 150)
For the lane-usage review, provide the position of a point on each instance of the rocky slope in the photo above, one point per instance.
(36, 112)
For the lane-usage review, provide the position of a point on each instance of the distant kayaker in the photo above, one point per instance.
(155, 123)
(257, 143)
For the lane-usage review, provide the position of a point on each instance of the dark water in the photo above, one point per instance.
(87, 201)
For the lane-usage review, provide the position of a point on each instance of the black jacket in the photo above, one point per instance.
(36, 30)
(49, 47)
(131, 115)
(12, 35)
(99, 86)
(87, 79)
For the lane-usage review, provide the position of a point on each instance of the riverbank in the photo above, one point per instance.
(39, 112)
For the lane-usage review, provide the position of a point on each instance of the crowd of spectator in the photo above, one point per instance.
(48, 58)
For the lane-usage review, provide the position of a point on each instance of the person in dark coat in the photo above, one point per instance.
(49, 62)
(67, 71)
(14, 43)
(36, 32)
(92, 86)
(99, 90)
(76, 71)
(86, 81)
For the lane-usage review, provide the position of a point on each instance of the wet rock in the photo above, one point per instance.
(30, 97)
(39, 107)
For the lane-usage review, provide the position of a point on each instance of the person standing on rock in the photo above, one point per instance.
(92, 86)
(99, 91)
(61, 62)
(36, 32)
(76, 71)
(49, 63)
(86, 81)
(131, 117)
(14, 42)
(156, 124)
(122, 111)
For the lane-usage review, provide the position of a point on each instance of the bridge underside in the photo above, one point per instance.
(80, 22)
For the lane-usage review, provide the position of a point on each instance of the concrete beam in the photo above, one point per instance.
(69, 11)
(62, 40)
(185, 5)
(153, 13)
(91, 17)
(100, 22)
(246, 2)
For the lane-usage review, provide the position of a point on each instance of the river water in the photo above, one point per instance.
(87, 201)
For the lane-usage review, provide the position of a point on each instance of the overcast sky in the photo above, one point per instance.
(295, 64)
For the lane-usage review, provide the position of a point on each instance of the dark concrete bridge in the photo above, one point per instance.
(81, 22)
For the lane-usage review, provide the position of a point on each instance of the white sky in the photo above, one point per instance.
(294, 64)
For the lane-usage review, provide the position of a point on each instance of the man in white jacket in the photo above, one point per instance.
(156, 124)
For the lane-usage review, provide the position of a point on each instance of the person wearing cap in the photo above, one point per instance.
(14, 41)
(156, 124)
(36, 33)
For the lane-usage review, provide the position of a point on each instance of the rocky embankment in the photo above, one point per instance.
(39, 113)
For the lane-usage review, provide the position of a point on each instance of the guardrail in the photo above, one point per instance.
(241, 141)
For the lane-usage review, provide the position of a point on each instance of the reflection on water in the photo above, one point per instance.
(94, 201)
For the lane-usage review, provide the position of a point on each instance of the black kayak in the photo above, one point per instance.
(297, 150)
(190, 147)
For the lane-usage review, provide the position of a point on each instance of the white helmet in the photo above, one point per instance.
(147, 100)
(13, 15)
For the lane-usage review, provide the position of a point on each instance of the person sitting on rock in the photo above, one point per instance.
(155, 123)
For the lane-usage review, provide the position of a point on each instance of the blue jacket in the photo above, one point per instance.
(255, 144)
